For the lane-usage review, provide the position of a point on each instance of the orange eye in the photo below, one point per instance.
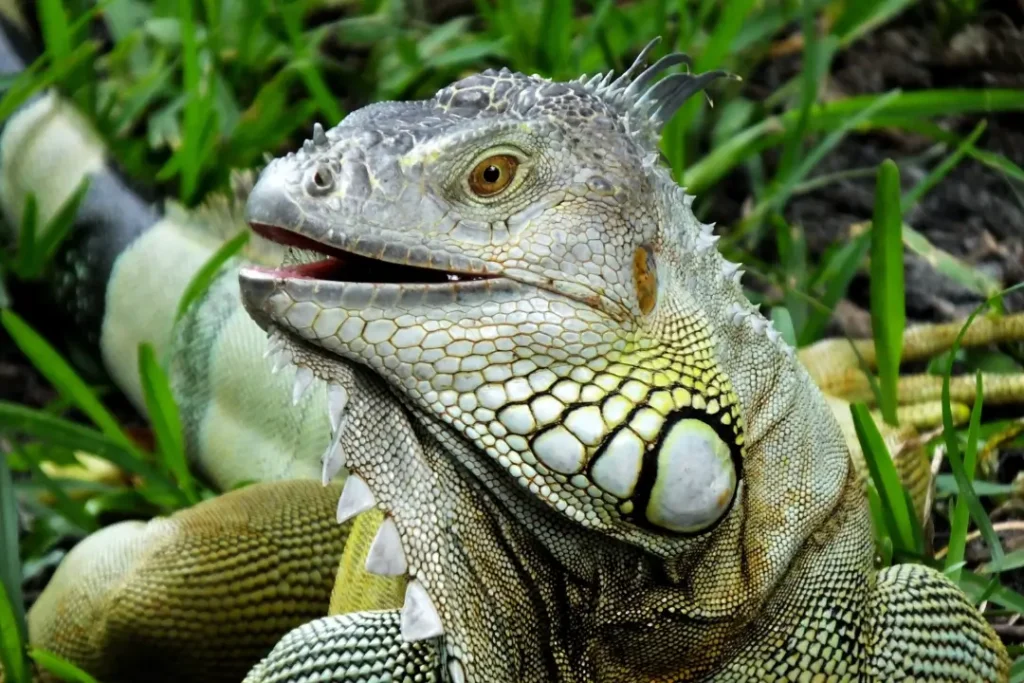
(493, 174)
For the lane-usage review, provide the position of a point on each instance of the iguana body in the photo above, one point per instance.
(523, 588)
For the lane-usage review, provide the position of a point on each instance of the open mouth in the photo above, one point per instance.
(344, 266)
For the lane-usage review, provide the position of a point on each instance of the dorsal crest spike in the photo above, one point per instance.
(645, 105)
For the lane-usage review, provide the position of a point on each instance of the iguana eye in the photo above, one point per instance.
(493, 174)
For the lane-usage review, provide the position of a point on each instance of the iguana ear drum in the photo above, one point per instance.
(645, 277)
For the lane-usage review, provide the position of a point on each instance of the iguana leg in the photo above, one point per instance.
(909, 636)
(364, 647)
(200, 595)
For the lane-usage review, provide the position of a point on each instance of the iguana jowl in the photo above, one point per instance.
(619, 471)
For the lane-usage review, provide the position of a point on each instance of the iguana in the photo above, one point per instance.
(508, 582)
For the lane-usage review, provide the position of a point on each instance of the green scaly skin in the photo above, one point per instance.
(625, 474)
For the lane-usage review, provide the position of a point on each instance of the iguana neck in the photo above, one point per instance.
(577, 607)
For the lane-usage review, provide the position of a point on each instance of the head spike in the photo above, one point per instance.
(641, 60)
(319, 136)
(644, 79)
(680, 88)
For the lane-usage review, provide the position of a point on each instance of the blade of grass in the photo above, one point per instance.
(54, 430)
(59, 227)
(961, 513)
(817, 59)
(12, 651)
(73, 511)
(731, 18)
(888, 313)
(837, 275)
(12, 604)
(898, 514)
(59, 667)
(941, 171)
(205, 275)
(883, 537)
(60, 374)
(1012, 560)
(906, 111)
(963, 482)
(165, 420)
(56, 32)
(777, 198)
(41, 75)
(959, 271)
(196, 105)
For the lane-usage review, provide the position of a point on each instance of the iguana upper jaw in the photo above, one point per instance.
(339, 265)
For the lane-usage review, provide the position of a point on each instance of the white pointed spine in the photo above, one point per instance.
(736, 313)
(281, 361)
(706, 241)
(332, 460)
(386, 556)
(420, 619)
(337, 401)
(356, 498)
(303, 378)
(732, 271)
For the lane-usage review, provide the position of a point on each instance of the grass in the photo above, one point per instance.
(184, 92)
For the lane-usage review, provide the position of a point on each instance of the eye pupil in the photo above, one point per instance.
(492, 175)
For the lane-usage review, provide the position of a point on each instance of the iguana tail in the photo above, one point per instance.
(118, 281)
(205, 593)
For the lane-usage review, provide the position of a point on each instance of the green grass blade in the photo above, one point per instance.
(60, 374)
(37, 78)
(880, 523)
(783, 322)
(961, 513)
(837, 275)
(888, 312)
(196, 105)
(56, 31)
(942, 170)
(952, 267)
(778, 198)
(817, 59)
(12, 650)
(12, 605)
(59, 667)
(963, 482)
(1011, 561)
(54, 430)
(899, 516)
(165, 420)
(205, 275)
(906, 110)
(1017, 670)
(72, 510)
(59, 227)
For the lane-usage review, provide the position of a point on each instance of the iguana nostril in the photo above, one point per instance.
(320, 180)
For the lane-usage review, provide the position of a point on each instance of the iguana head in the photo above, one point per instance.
(512, 257)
